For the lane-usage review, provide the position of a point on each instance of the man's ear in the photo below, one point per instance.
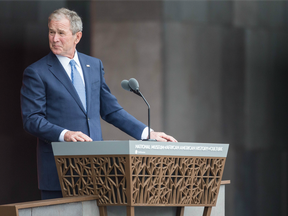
(78, 37)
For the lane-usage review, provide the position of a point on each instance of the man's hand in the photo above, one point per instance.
(162, 137)
(75, 136)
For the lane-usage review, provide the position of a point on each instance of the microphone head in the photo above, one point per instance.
(133, 83)
(125, 85)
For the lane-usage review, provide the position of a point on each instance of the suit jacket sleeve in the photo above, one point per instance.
(33, 105)
(113, 113)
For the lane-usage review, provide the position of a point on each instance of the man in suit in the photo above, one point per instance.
(63, 96)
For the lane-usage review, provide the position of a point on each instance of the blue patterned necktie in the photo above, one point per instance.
(78, 83)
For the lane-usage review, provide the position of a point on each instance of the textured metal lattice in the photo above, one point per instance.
(102, 176)
(170, 180)
(110, 179)
(154, 180)
(76, 176)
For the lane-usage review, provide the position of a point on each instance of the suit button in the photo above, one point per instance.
(88, 119)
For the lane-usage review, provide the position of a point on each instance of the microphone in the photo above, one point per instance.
(133, 85)
(125, 85)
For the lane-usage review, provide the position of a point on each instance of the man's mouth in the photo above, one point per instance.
(56, 46)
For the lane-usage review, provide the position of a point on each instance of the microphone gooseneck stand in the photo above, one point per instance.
(149, 138)
(133, 86)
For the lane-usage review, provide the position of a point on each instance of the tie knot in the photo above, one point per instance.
(72, 63)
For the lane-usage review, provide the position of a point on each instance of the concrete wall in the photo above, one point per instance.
(90, 208)
(219, 78)
(128, 41)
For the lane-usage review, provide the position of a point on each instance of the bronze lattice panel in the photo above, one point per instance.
(154, 180)
(102, 176)
(76, 176)
(110, 180)
(176, 181)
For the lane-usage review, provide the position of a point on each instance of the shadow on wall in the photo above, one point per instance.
(24, 40)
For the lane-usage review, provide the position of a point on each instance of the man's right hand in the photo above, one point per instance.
(75, 136)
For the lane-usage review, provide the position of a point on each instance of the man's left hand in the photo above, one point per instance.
(162, 137)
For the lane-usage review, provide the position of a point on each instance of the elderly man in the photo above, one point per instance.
(63, 96)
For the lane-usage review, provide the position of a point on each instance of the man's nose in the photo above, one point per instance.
(56, 37)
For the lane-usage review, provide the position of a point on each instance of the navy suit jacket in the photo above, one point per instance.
(51, 104)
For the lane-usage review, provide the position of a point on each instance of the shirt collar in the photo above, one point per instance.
(65, 60)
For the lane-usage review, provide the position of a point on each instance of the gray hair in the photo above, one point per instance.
(75, 21)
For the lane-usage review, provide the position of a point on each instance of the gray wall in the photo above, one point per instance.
(225, 69)
(213, 71)
(128, 41)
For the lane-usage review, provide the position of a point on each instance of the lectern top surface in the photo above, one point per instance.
(130, 147)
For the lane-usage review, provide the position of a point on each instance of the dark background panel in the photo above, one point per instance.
(24, 40)
(224, 71)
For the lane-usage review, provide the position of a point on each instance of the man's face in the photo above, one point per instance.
(61, 40)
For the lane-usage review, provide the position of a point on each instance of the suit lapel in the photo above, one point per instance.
(58, 71)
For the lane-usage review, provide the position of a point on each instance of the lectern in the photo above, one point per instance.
(138, 173)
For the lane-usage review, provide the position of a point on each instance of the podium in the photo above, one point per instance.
(138, 173)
